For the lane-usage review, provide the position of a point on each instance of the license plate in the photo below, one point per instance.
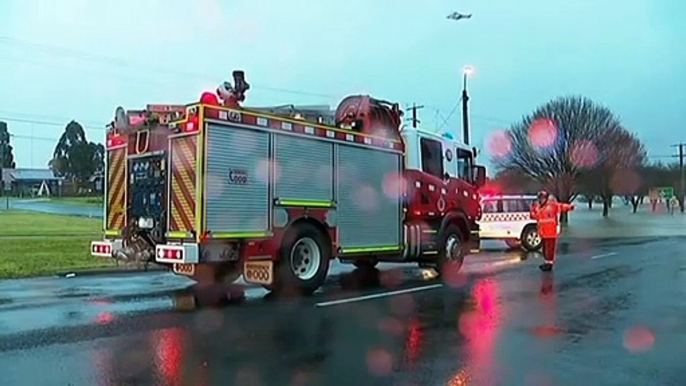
(258, 272)
(184, 269)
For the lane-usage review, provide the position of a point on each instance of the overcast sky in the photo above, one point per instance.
(79, 59)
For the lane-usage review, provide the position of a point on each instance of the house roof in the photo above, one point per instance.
(9, 175)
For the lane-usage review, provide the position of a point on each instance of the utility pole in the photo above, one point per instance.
(465, 104)
(465, 113)
(681, 170)
(414, 118)
(682, 184)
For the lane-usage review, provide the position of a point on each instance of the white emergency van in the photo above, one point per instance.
(508, 218)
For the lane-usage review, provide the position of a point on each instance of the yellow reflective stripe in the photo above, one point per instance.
(238, 235)
(306, 203)
(112, 232)
(178, 235)
(386, 248)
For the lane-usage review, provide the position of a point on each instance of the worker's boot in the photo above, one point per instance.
(546, 267)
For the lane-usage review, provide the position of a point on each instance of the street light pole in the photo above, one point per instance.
(681, 195)
(465, 104)
(681, 169)
(456, 16)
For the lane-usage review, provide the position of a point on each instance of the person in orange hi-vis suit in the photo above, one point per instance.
(547, 213)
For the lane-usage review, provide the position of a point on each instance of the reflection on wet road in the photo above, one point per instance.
(610, 314)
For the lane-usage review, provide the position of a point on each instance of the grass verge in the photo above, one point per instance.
(21, 257)
(36, 244)
(20, 223)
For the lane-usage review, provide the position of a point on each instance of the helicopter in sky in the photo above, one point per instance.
(459, 16)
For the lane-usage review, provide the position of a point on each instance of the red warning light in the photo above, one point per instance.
(192, 125)
(210, 98)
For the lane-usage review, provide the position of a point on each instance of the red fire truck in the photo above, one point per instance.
(215, 190)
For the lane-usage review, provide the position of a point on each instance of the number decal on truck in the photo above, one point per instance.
(258, 272)
(238, 176)
(184, 269)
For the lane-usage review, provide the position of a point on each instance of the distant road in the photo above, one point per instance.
(47, 206)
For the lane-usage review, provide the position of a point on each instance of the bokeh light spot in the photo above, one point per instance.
(625, 182)
(542, 133)
(366, 198)
(453, 276)
(262, 170)
(393, 185)
(638, 339)
(583, 154)
(499, 143)
(379, 362)
(104, 318)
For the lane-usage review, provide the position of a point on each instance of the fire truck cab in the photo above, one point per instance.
(215, 190)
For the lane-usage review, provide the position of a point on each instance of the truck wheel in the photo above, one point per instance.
(451, 252)
(305, 254)
(530, 238)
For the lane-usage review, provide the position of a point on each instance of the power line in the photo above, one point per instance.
(445, 121)
(49, 123)
(32, 137)
(121, 63)
(51, 118)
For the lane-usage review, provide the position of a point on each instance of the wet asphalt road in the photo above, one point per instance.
(612, 313)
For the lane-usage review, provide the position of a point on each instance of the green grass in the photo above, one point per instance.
(21, 257)
(20, 223)
(36, 244)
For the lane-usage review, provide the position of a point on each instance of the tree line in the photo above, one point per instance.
(75, 157)
(573, 146)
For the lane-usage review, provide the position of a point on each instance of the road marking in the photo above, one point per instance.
(603, 255)
(377, 296)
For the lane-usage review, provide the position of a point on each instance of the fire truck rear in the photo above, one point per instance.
(216, 190)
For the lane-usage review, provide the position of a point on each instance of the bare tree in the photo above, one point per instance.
(557, 141)
(512, 182)
(623, 158)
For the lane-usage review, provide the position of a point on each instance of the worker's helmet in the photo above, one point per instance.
(542, 195)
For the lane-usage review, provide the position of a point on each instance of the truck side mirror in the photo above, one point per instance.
(479, 176)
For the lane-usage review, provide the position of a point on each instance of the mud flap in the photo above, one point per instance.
(184, 269)
(474, 243)
(259, 272)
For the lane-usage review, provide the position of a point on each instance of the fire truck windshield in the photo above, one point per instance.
(465, 162)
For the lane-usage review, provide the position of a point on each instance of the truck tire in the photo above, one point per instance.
(451, 250)
(531, 241)
(304, 259)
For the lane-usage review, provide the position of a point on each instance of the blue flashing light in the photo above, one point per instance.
(448, 136)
